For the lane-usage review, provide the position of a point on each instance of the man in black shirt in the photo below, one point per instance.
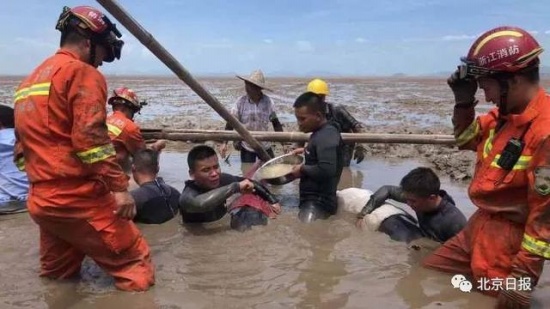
(340, 116)
(156, 202)
(204, 197)
(320, 174)
(438, 217)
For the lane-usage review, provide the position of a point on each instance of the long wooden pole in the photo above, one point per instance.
(221, 135)
(163, 55)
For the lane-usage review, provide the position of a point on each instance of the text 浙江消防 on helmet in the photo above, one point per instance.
(501, 50)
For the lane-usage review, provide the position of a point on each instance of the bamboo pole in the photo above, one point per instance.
(163, 55)
(222, 135)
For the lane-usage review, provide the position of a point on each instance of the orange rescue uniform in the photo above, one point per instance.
(63, 145)
(509, 235)
(125, 135)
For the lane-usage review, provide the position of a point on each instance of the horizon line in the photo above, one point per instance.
(229, 75)
(274, 76)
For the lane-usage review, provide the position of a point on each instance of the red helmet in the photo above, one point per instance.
(93, 24)
(503, 49)
(127, 97)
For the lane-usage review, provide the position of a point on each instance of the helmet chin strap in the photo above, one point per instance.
(503, 83)
(502, 107)
(131, 111)
(91, 60)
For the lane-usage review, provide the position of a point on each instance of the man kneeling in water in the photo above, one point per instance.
(438, 217)
(156, 202)
(204, 197)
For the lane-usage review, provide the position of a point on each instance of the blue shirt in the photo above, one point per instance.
(14, 185)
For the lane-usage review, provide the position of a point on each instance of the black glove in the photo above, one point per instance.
(359, 153)
(463, 89)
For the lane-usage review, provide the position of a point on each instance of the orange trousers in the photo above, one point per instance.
(483, 250)
(118, 247)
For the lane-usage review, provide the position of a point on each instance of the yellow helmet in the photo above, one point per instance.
(318, 86)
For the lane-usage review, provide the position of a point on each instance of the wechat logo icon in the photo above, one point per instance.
(460, 282)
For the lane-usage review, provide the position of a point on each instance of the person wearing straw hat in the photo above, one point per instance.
(255, 111)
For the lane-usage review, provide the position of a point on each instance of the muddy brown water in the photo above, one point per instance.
(328, 264)
(286, 264)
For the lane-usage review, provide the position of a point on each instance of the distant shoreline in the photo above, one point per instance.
(544, 76)
(544, 73)
(339, 77)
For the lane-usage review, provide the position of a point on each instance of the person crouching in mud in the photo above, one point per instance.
(156, 202)
(438, 217)
(320, 174)
(204, 198)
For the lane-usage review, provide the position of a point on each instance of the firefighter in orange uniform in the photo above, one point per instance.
(123, 131)
(508, 238)
(78, 193)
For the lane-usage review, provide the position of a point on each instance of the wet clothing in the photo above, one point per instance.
(509, 235)
(126, 137)
(249, 210)
(346, 123)
(255, 117)
(118, 248)
(401, 227)
(246, 217)
(199, 205)
(339, 116)
(60, 125)
(125, 133)
(322, 170)
(14, 185)
(485, 248)
(311, 211)
(253, 201)
(63, 144)
(156, 202)
(440, 225)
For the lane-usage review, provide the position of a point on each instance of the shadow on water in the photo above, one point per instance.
(286, 264)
